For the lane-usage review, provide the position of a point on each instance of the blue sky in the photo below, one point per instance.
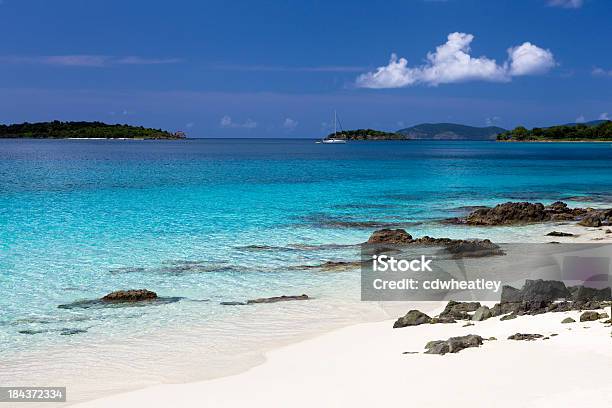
(280, 68)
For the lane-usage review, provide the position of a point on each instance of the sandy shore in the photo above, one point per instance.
(364, 366)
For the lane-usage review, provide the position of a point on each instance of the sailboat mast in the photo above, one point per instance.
(335, 130)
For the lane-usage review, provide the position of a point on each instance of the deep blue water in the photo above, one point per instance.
(82, 218)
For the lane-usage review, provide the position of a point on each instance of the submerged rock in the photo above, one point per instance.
(560, 234)
(121, 298)
(275, 299)
(453, 344)
(332, 266)
(233, 303)
(412, 318)
(71, 331)
(132, 295)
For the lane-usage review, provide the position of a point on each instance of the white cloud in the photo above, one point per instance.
(604, 116)
(84, 60)
(529, 59)
(290, 124)
(580, 119)
(597, 71)
(566, 3)
(226, 122)
(452, 62)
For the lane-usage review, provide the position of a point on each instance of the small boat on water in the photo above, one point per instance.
(333, 139)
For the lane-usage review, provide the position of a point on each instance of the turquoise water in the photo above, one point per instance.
(83, 218)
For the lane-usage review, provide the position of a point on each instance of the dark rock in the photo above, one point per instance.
(132, 295)
(473, 248)
(458, 248)
(412, 318)
(596, 218)
(332, 266)
(443, 319)
(559, 234)
(233, 303)
(458, 310)
(278, 299)
(453, 345)
(509, 317)
(390, 236)
(468, 324)
(509, 213)
(70, 332)
(512, 213)
(589, 316)
(521, 308)
(100, 303)
(604, 316)
(31, 332)
(568, 320)
(535, 290)
(523, 336)
(339, 265)
(582, 293)
(482, 313)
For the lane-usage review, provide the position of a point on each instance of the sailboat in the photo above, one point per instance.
(333, 139)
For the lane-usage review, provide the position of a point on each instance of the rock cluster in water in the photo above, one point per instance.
(274, 299)
(458, 248)
(516, 213)
(120, 298)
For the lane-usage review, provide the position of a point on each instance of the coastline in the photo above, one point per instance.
(305, 362)
(335, 370)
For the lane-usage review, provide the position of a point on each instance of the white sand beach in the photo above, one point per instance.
(364, 366)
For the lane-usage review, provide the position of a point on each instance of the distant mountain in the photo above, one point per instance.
(590, 123)
(578, 132)
(450, 131)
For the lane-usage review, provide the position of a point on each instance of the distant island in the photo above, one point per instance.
(83, 130)
(365, 134)
(424, 131)
(600, 130)
(450, 131)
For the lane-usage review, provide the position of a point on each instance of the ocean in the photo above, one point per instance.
(214, 220)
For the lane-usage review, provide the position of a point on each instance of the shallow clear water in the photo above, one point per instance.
(82, 218)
